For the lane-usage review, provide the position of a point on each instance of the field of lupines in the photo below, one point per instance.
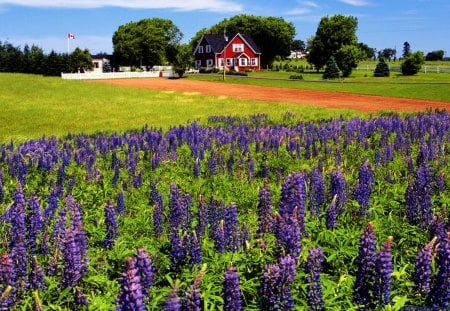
(239, 214)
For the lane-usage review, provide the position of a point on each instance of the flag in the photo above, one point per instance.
(70, 36)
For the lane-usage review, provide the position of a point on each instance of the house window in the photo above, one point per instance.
(229, 62)
(238, 47)
(209, 63)
(200, 49)
(254, 62)
(243, 62)
(208, 49)
(96, 65)
(198, 63)
(221, 62)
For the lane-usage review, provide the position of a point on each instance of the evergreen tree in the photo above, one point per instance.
(382, 69)
(331, 69)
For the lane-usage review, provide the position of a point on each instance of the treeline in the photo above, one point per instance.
(33, 60)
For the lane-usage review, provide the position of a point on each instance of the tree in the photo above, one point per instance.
(368, 51)
(272, 35)
(81, 60)
(412, 63)
(387, 53)
(145, 42)
(180, 57)
(406, 49)
(348, 57)
(298, 45)
(435, 55)
(331, 35)
(331, 69)
(382, 69)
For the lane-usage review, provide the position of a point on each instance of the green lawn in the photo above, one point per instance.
(32, 106)
(429, 86)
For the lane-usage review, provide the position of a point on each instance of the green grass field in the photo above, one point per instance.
(33, 106)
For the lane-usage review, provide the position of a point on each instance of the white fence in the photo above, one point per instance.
(115, 75)
(436, 69)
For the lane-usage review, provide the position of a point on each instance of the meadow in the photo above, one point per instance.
(138, 199)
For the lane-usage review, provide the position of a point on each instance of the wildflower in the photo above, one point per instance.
(264, 210)
(365, 278)
(35, 221)
(287, 233)
(332, 214)
(195, 251)
(202, 217)
(231, 291)
(7, 281)
(440, 293)
(130, 296)
(145, 269)
(111, 226)
(158, 217)
(36, 275)
(364, 187)
(173, 302)
(316, 191)
(275, 288)
(232, 238)
(293, 195)
(219, 238)
(314, 287)
(337, 187)
(193, 297)
(384, 269)
(422, 272)
(121, 203)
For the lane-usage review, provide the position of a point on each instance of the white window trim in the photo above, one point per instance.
(198, 63)
(209, 63)
(254, 62)
(229, 62)
(200, 49)
(242, 62)
(238, 47)
(208, 49)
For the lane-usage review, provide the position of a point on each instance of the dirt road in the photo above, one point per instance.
(367, 103)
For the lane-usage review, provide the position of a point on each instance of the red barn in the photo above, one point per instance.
(240, 52)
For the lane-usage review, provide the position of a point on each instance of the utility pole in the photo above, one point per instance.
(225, 52)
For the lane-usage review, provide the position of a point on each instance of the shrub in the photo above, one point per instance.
(331, 69)
(412, 63)
(296, 77)
(382, 69)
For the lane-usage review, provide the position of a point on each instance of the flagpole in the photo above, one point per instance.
(68, 45)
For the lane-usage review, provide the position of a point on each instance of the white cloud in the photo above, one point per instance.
(311, 4)
(298, 11)
(184, 5)
(356, 2)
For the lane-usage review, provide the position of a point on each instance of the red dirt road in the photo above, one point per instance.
(366, 103)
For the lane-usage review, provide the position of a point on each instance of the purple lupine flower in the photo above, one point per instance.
(287, 233)
(232, 237)
(364, 186)
(230, 162)
(130, 296)
(250, 167)
(422, 272)
(121, 203)
(193, 300)
(316, 191)
(337, 187)
(111, 226)
(212, 163)
(178, 249)
(219, 237)
(173, 302)
(265, 214)
(8, 281)
(2, 191)
(331, 214)
(293, 196)
(116, 175)
(158, 217)
(245, 234)
(231, 291)
(384, 269)
(36, 278)
(145, 269)
(35, 222)
(202, 217)
(275, 291)
(440, 293)
(72, 260)
(52, 206)
(195, 250)
(314, 288)
(196, 167)
(80, 234)
(365, 277)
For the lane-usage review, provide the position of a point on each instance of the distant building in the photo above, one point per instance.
(99, 61)
(297, 55)
(238, 52)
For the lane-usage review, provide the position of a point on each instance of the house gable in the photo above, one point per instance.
(212, 49)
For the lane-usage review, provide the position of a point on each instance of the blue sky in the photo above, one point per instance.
(381, 23)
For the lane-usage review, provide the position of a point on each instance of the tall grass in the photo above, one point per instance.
(32, 106)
